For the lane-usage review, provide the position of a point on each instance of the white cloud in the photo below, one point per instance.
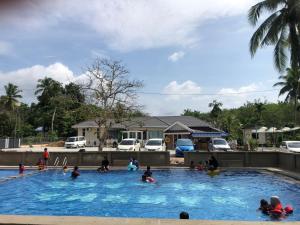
(176, 56)
(5, 48)
(199, 100)
(244, 90)
(129, 25)
(178, 91)
(26, 78)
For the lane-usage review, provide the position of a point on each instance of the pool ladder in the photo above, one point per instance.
(57, 160)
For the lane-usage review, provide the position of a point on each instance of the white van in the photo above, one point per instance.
(75, 142)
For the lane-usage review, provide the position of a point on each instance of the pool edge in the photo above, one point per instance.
(80, 220)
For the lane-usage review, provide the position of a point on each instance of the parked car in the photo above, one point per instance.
(292, 146)
(75, 142)
(218, 144)
(155, 144)
(183, 145)
(129, 144)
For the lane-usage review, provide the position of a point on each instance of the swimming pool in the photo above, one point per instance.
(7, 173)
(233, 195)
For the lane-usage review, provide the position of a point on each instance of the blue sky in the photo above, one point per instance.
(175, 47)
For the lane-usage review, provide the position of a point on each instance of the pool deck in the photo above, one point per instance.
(78, 220)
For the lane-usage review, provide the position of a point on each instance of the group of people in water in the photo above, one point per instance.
(275, 209)
(210, 165)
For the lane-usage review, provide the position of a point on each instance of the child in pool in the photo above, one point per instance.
(264, 207)
(21, 169)
(75, 172)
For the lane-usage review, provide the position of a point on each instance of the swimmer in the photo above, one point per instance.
(65, 169)
(148, 179)
(264, 207)
(184, 215)
(276, 210)
(148, 172)
(21, 169)
(75, 172)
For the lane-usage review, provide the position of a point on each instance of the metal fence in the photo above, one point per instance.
(10, 143)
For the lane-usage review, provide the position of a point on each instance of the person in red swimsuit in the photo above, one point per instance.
(46, 157)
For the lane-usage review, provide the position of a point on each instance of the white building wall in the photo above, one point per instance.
(90, 135)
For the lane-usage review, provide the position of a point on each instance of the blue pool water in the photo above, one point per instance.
(229, 196)
(7, 173)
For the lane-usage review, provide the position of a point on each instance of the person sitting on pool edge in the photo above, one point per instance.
(105, 164)
(184, 215)
(213, 163)
(41, 164)
(75, 172)
(192, 165)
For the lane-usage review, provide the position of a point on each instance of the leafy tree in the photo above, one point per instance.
(46, 89)
(10, 99)
(279, 29)
(216, 108)
(290, 87)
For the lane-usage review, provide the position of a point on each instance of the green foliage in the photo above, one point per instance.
(253, 144)
(279, 29)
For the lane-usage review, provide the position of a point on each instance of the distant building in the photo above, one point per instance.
(170, 128)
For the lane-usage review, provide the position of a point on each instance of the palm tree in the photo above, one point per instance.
(10, 99)
(279, 29)
(216, 108)
(290, 86)
(46, 89)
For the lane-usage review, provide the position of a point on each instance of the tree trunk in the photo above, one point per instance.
(52, 120)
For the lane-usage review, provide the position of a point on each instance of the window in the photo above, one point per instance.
(139, 135)
(155, 134)
(132, 135)
(83, 132)
(125, 135)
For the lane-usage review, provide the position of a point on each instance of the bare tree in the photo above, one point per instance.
(110, 88)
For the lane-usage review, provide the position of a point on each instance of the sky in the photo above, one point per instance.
(187, 53)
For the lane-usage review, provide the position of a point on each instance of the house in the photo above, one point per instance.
(170, 128)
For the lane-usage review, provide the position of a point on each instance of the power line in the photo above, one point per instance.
(205, 94)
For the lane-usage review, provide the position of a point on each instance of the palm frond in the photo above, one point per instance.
(280, 57)
(276, 27)
(259, 33)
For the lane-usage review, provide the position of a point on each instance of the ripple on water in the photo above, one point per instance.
(116, 199)
(83, 198)
(174, 186)
(58, 184)
(147, 199)
(229, 200)
(189, 200)
(199, 187)
(113, 185)
(47, 196)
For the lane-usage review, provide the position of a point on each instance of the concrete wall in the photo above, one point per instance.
(236, 159)
(289, 161)
(86, 158)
